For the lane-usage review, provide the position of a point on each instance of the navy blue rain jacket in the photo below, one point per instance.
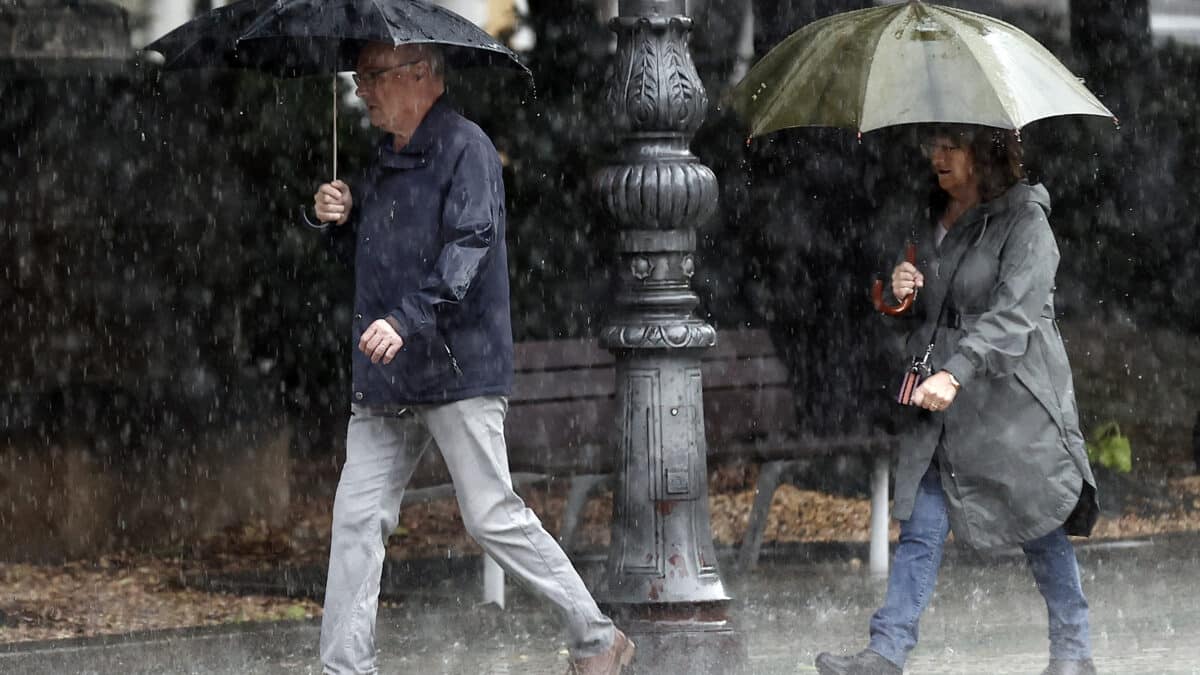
(427, 232)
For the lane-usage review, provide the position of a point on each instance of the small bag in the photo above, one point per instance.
(917, 371)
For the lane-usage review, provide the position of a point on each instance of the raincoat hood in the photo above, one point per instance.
(1020, 193)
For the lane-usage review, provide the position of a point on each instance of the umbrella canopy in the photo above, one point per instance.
(301, 37)
(907, 64)
(294, 38)
(209, 40)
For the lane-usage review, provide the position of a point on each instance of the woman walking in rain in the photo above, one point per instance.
(992, 448)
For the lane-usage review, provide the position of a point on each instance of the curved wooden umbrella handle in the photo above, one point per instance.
(910, 254)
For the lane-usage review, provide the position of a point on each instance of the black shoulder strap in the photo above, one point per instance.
(949, 282)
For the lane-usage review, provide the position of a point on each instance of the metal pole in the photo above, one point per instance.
(493, 581)
(879, 518)
(664, 586)
(335, 134)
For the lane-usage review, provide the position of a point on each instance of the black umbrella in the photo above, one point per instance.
(305, 37)
(296, 38)
(210, 39)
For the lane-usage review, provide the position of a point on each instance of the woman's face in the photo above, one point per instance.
(953, 162)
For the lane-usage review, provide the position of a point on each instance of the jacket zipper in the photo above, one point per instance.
(453, 361)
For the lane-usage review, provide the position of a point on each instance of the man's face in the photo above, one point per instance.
(390, 81)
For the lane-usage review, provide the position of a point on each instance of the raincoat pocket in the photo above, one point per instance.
(1047, 399)
(431, 364)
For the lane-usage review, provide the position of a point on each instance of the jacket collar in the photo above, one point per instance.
(971, 227)
(416, 152)
(1020, 193)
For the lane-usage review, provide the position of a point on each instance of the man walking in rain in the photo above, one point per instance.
(433, 363)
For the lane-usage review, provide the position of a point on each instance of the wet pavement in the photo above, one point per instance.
(986, 617)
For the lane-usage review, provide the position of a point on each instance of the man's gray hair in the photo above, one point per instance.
(434, 56)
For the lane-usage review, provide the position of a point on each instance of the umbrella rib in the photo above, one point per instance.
(876, 38)
(806, 38)
(1032, 48)
(1047, 59)
(774, 102)
(994, 78)
(387, 20)
(819, 96)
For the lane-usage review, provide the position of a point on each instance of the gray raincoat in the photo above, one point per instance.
(1009, 448)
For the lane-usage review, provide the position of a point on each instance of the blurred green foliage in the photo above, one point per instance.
(1108, 448)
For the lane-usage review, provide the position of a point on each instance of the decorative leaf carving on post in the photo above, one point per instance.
(680, 87)
(642, 90)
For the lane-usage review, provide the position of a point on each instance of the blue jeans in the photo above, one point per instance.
(914, 574)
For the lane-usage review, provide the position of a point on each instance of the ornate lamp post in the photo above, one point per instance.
(663, 582)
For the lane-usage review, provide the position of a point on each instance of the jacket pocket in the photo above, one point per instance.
(1046, 398)
(431, 364)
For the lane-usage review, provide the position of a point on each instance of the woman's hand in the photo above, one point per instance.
(906, 280)
(937, 392)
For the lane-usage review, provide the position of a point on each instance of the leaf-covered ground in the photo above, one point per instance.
(117, 593)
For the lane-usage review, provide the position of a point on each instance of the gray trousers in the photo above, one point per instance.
(382, 450)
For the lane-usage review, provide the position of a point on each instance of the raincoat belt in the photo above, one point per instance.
(957, 320)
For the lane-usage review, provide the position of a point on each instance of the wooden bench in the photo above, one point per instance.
(561, 423)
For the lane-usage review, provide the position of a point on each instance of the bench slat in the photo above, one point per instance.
(559, 424)
(741, 344)
(754, 372)
(540, 355)
(745, 413)
(580, 383)
(728, 414)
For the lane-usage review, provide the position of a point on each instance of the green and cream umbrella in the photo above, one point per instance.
(908, 63)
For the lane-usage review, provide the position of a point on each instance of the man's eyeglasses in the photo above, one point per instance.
(931, 148)
(371, 77)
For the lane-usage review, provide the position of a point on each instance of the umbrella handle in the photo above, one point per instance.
(905, 304)
(320, 227)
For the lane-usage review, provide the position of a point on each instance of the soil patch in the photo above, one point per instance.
(141, 591)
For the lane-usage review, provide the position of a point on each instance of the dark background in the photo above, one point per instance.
(156, 280)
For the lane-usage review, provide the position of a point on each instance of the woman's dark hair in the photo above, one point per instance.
(999, 157)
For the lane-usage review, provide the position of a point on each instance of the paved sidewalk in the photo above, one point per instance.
(986, 617)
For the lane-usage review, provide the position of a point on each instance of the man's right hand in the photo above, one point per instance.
(906, 280)
(380, 342)
(333, 202)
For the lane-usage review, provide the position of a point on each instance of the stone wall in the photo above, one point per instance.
(66, 499)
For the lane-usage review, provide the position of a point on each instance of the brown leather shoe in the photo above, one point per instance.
(610, 662)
